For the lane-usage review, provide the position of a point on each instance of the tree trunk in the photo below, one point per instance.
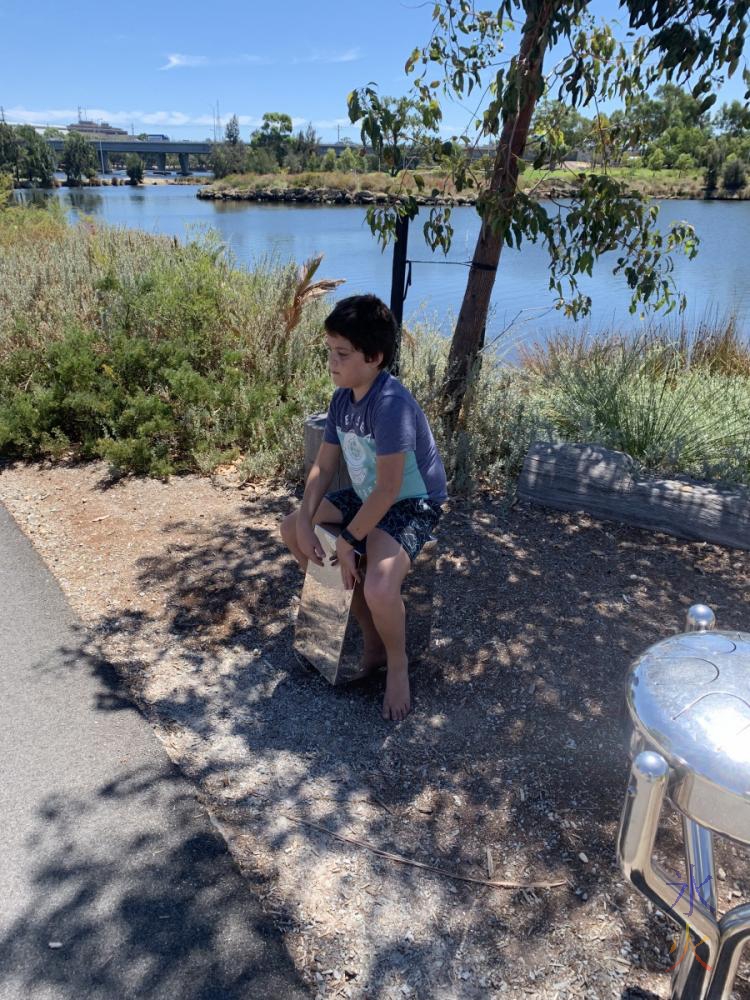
(468, 337)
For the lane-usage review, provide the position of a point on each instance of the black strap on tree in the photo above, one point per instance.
(401, 280)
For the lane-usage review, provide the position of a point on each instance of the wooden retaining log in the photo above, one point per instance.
(608, 485)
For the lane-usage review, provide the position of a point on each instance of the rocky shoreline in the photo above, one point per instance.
(322, 196)
(338, 196)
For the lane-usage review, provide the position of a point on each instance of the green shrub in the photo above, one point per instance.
(153, 355)
(733, 177)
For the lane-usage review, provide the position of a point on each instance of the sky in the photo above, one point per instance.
(170, 67)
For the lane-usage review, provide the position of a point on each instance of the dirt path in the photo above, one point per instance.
(513, 762)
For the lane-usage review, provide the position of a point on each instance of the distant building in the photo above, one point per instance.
(96, 130)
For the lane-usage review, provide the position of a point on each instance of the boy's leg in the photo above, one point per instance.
(374, 654)
(387, 565)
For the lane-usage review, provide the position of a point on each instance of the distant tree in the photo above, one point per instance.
(294, 163)
(305, 144)
(683, 163)
(10, 150)
(229, 157)
(142, 136)
(329, 160)
(6, 189)
(134, 168)
(656, 159)
(557, 125)
(232, 131)
(733, 177)
(733, 119)
(79, 158)
(349, 161)
(36, 162)
(261, 161)
(313, 162)
(274, 134)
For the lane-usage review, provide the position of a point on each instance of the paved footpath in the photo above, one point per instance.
(113, 884)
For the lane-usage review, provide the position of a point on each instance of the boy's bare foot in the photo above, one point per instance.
(397, 701)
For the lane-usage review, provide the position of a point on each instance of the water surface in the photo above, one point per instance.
(716, 282)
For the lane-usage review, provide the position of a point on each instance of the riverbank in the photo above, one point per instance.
(165, 358)
(339, 188)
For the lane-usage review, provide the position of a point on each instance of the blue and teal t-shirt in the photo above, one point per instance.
(386, 421)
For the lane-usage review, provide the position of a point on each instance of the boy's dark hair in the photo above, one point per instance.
(367, 323)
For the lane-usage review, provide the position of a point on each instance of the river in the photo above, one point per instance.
(717, 282)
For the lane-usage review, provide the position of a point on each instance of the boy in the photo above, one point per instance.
(397, 477)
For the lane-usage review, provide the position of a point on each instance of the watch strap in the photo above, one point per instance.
(349, 537)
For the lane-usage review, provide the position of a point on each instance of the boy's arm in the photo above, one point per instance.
(318, 481)
(322, 472)
(389, 475)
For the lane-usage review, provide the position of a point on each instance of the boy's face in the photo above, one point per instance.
(348, 367)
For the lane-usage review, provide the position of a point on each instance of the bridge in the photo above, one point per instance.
(184, 149)
(157, 148)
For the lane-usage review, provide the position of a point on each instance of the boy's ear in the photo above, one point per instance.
(376, 357)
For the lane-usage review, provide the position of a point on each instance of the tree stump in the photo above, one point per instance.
(608, 485)
(314, 427)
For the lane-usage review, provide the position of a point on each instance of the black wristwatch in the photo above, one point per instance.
(349, 537)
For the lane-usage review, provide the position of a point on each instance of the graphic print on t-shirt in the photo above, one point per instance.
(359, 455)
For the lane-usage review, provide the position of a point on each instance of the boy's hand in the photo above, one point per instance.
(347, 560)
(309, 543)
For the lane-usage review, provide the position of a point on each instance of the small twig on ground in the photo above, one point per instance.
(419, 864)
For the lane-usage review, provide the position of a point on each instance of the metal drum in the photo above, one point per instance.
(327, 634)
(689, 702)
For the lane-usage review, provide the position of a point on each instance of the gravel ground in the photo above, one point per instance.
(511, 768)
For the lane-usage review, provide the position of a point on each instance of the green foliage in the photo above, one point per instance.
(26, 155)
(232, 131)
(152, 355)
(668, 44)
(79, 158)
(274, 135)
(349, 161)
(261, 161)
(734, 176)
(304, 146)
(6, 189)
(641, 397)
(228, 158)
(683, 163)
(134, 168)
(329, 160)
(657, 159)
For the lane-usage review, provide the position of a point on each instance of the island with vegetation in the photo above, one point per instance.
(665, 146)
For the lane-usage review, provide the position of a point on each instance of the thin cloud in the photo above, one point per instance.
(124, 119)
(350, 55)
(333, 123)
(178, 60)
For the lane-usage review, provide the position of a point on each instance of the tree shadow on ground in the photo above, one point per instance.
(147, 909)
(517, 746)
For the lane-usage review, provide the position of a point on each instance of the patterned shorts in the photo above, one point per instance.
(410, 522)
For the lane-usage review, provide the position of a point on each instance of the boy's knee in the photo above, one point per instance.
(379, 590)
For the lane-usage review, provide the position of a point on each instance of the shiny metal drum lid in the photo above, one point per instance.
(689, 698)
